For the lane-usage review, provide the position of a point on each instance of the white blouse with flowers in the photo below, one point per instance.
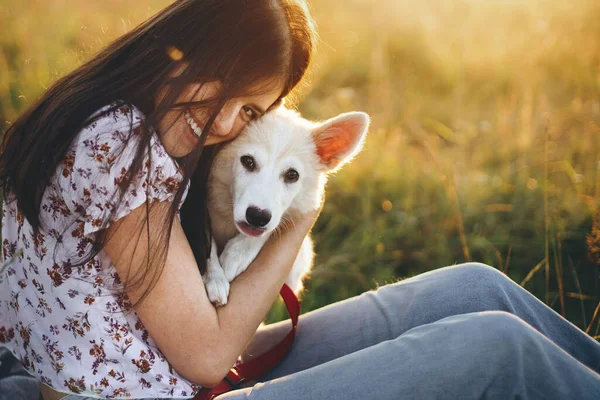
(66, 322)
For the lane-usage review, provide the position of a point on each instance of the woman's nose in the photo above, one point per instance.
(225, 121)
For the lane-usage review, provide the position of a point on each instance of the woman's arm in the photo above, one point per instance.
(200, 341)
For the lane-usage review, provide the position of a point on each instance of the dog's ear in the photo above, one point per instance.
(340, 138)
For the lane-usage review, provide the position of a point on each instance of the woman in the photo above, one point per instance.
(94, 176)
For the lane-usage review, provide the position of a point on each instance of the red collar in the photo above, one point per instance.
(258, 366)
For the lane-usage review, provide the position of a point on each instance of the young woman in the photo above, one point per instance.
(101, 295)
(94, 175)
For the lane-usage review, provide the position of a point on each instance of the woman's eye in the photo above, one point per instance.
(249, 114)
(291, 176)
(248, 163)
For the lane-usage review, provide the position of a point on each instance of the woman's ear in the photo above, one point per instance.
(340, 138)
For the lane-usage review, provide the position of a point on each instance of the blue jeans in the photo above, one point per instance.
(461, 332)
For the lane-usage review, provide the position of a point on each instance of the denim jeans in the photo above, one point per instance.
(15, 382)
(461, 332)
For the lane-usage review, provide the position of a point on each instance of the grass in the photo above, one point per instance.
(485, 143)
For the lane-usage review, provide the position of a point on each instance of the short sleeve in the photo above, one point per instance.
(98, 162)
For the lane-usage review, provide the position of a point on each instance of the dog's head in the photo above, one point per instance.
(278, 166)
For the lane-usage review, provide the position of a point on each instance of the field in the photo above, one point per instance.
(484, 146)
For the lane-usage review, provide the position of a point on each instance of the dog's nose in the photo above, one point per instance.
(257, 217)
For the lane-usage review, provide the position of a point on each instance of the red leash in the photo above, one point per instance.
(258, 366)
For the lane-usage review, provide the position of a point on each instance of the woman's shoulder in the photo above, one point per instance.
(116, 120)
(109, 139)
(117, 112)
(106, 174)
(115, 132)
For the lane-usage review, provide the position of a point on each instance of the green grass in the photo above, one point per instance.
(485, 142)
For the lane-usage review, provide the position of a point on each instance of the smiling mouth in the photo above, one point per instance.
(192, 123)
(250, 230)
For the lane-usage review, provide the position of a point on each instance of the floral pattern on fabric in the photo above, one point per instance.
(68, 323)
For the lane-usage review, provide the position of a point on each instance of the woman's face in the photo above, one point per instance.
(181, 134)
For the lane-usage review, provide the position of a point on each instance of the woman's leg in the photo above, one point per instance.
(471, 356)
(15, 382)
(385, 314)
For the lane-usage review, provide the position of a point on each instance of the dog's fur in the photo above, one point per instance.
(277, 142)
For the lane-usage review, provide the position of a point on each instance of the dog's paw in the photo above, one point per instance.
(233, 264)
(217, 288)
(237, 256)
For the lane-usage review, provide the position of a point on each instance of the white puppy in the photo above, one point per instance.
(273, 171)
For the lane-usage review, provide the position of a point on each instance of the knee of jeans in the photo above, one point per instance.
(485, 285)
(498, 328)
(480, 275)
(498, 335)
(480, 271)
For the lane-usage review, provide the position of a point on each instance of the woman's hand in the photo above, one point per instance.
(303, 222)
(309, 218)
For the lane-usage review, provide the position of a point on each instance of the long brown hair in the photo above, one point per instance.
(240, 43)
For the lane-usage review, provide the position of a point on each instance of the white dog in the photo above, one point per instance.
(274, 170)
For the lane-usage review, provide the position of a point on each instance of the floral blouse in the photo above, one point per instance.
(66, 322)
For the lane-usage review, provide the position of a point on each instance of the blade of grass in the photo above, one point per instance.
(507, 259)
(576, 279)
(559, 277)
(580, 296)
(532, 272)
(593, 318)
(499, 257)
(546, 213)
(452, 195)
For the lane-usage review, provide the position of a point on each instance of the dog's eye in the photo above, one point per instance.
(248, 163)
(291, 176)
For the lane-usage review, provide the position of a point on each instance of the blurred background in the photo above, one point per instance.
(484, 146)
